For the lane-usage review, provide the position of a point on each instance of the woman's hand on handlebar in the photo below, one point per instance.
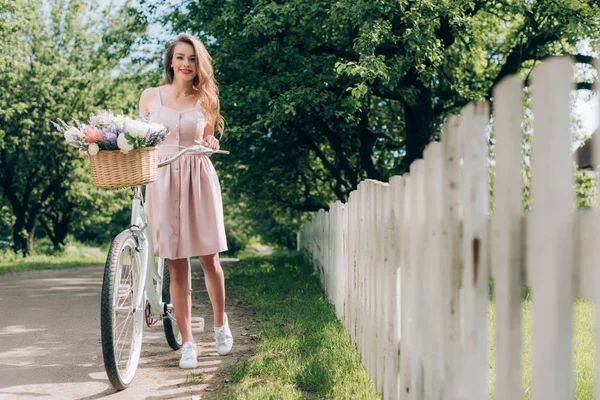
(210, 141)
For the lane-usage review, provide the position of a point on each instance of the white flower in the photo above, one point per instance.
(156, 127)
(72, 135)
(137, 129)
(120, 120)
(102, 118)
(124, 144)
(93, 149)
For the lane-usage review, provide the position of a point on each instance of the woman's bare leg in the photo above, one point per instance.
(181, 298)
(215, 284)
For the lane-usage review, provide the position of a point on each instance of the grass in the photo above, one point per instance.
(583, 348)
(303, 352)
(74, 255)
(193, 378)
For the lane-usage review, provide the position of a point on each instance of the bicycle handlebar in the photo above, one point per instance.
(192, 149)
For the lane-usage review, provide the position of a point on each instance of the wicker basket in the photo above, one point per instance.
(111, 169)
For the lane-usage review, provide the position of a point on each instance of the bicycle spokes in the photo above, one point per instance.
(121, 317)
(125, 307)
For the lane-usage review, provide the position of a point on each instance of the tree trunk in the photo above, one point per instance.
(19, 237)
(23, 235)
(58, 231)
(365, 153)
(30, 235)
(419, 127)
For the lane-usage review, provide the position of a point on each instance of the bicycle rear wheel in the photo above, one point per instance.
(121, 319)
(172, 333)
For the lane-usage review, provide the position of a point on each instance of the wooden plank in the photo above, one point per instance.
(506, 240)
(406, 295)
(319, 244)
(364, 273)
(596, 279)
(353, 293)
(427, 266)
(345, 267)
(550, 233)
(586, 254)
(439, 262)
(393, 206)
(362, 261)
(377, 270)
(475, 275)
(381, 277)
(338, 257)
(452, 144)
(351, 284)
(416, 254)
(370, 340)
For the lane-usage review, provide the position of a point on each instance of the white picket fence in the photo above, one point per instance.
(407, 263)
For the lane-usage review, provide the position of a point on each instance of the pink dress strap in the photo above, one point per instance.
(158, 98)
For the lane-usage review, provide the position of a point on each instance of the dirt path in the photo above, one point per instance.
(50, 342)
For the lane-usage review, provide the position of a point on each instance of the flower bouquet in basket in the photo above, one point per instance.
(122, 151)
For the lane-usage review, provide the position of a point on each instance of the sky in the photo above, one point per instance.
(589, 111)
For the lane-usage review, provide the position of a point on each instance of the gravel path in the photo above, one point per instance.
(50, 342)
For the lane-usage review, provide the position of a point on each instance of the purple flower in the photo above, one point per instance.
(110, 138)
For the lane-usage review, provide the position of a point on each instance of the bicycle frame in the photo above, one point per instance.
(150, 279)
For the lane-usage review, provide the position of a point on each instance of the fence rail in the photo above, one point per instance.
(407, 263)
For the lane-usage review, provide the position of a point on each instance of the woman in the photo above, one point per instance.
(184, 205)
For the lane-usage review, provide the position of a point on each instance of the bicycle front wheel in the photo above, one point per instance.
(121, 319)
(172, 333)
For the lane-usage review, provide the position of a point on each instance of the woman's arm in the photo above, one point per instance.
(145, 102)
(209, 138)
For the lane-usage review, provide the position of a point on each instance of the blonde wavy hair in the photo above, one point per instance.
(204, 82)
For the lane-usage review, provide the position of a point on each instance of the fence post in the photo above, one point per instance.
(507, 236)
(416, 255)
(370, 279)
(406, 299)
(438, 264)
(474, 122)
(428, 276)
(550, 233)
(362, 255)
(380, 276)
(352, 217)
(342, 279)
(393, 206)
(452, 273)
(596, 162)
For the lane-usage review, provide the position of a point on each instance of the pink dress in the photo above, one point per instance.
(184, 205)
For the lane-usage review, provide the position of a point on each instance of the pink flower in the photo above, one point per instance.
(92, 135)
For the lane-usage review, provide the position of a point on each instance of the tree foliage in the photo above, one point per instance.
(320, 94)
(59, 59)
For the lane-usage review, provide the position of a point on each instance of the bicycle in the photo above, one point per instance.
(135, 289)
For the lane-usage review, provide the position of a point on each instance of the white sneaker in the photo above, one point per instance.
(189, 356)
(223, 338)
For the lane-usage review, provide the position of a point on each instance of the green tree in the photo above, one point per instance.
(322, 94)
(64, 62)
